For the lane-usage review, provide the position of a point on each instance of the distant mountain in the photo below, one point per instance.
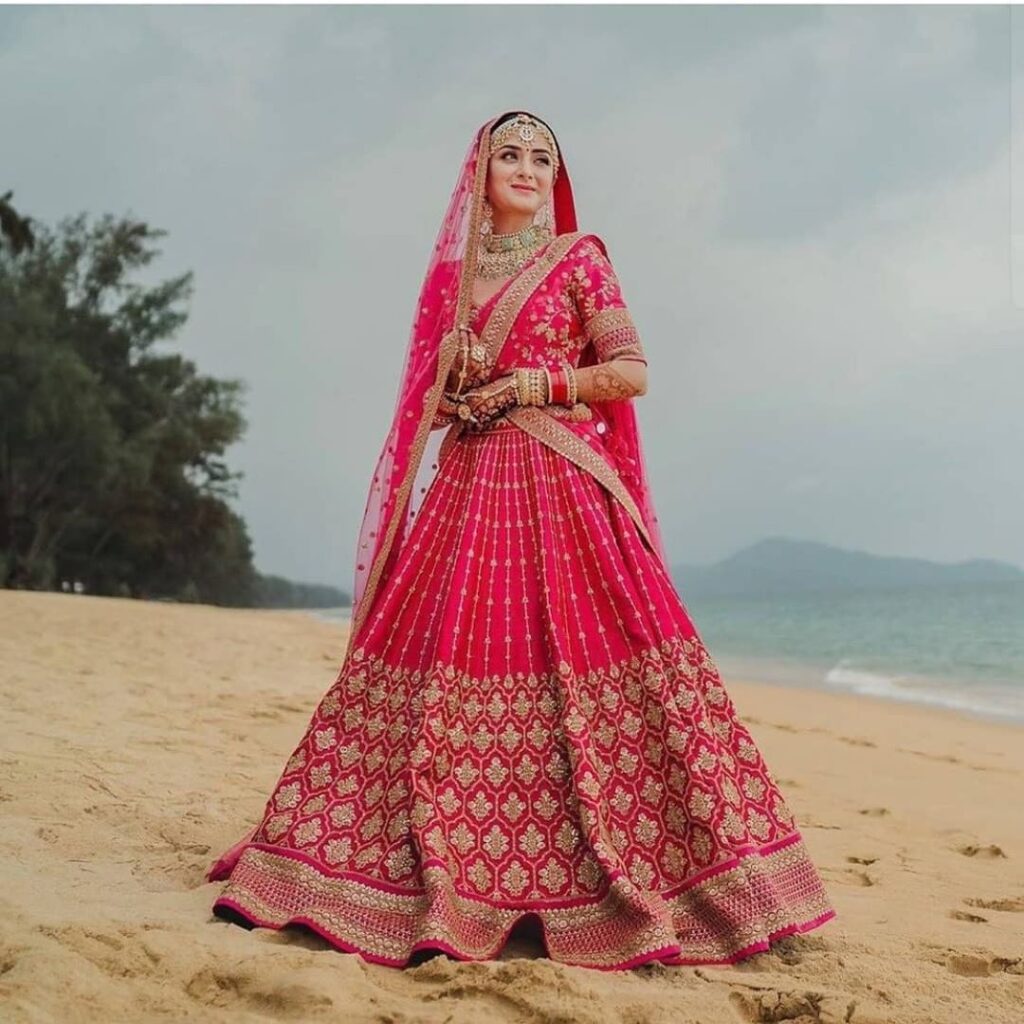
(782, 565)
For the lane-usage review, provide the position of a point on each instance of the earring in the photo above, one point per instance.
(487, 223)
(542, 217)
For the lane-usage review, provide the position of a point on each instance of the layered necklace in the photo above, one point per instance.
(503, 255)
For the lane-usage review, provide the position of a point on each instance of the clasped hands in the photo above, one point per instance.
(481, 404)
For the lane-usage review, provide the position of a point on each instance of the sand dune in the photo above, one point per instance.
(140, 739)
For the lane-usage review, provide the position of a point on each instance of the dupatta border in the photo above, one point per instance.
(448, 348)
(507, 309)
(557, 435)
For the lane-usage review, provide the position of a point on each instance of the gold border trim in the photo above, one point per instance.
(555, 434)
(608, 320)
(278, 889)
(507, 309)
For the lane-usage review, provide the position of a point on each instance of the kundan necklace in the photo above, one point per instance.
(503, 255)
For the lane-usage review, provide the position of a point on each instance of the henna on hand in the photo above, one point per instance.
(491, 400)
(610, 381)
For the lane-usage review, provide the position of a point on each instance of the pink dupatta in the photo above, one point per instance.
(408, 459)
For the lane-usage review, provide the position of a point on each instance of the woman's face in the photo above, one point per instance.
(520, 176)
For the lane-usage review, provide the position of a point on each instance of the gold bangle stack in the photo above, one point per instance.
(570, 376)
(531, 386)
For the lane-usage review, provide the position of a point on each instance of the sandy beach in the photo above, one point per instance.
(141, 739)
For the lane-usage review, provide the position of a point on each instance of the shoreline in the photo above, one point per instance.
(749, 674)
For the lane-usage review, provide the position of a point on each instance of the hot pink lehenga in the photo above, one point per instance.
(529, 722)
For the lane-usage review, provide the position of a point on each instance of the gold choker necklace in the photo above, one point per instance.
(503, 255)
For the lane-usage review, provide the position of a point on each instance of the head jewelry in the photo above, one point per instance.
(524, 128)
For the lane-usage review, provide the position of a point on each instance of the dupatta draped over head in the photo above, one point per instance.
(408, 460)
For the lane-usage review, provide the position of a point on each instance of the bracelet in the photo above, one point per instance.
(565, 390)
(560, 390)
(529, 385)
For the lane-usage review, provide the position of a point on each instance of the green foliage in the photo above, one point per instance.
(112, 465)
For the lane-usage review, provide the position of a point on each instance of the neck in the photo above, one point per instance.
(506, 223)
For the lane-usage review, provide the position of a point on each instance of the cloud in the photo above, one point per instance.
(807, 207)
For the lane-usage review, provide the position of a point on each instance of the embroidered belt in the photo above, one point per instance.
(580, 411)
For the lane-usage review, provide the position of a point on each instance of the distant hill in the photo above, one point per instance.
(782, 565)
(277, 592)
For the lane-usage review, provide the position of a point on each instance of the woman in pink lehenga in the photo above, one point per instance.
(526, 721)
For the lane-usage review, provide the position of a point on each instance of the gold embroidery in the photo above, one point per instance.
(510, 305)
(446, 356)
(558, 436)
(273, 889)
(608, 320)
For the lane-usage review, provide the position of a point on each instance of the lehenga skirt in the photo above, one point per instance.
(531, 725)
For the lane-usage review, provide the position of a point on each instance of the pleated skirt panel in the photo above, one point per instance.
(530, 725)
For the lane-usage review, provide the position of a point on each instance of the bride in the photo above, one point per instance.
(526, 721)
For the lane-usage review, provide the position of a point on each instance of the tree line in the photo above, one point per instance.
(112, 447)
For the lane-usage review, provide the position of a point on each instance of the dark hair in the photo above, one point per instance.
(508, 115)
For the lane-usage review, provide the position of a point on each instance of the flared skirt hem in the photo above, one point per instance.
(725, 914)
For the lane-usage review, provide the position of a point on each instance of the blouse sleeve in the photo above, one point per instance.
(606, 320)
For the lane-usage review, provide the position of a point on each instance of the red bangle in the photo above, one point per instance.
(561, 390)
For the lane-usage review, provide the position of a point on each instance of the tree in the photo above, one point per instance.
(112, 465)
(17, 230)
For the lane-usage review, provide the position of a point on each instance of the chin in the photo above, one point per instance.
(522, 204)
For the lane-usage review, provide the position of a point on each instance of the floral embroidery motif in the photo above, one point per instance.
(529, 720)
(654, 828)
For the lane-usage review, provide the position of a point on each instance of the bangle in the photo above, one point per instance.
(555, 386)
(529, 386)
(560, 394)
(570, 391)
(565, 385)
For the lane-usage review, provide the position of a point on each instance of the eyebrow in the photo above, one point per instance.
(512, 145)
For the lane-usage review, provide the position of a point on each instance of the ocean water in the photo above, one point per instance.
(956, 646)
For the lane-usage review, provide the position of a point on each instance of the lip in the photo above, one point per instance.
(523, 188)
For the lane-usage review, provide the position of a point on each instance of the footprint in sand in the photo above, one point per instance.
(948, 758)
(771, 1006)
(990, 852)
(254, 991)
(849, 876)
(860, 878)
(974, 965)
(1010, 904)
(875, 812)
(963, 915)
(866, 861)
(855, 741)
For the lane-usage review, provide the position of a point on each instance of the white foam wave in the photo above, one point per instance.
(998, 702)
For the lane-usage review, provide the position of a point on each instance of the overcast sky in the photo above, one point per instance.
(809, 210)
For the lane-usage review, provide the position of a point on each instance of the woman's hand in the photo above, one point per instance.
(468, 365)
(447, 412)
(489, 401)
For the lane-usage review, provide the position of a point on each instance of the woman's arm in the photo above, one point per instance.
(621, 367)
(618, 378)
